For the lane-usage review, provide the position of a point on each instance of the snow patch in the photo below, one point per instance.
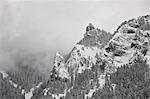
(63, 72)
(91, 92)
(101, 80)
(83, 57)
(29, 94)
(46, 91)
(5, 75)
(147, 57)
(14, 84)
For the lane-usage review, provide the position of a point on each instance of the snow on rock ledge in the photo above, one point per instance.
(82, 57)
(59, 67)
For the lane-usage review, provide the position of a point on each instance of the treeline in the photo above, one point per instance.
(128, 82)
(80, 84)
(131, 82)
(26, 77)
(8, 91)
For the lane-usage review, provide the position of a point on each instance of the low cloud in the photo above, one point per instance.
(31, 32)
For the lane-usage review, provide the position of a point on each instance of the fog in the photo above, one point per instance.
(32, 31)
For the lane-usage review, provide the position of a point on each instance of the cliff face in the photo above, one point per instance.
(78, 76)
(60, 69)
(130, 41)
(94, 60)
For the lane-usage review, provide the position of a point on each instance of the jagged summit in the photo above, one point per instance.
(58, 59)
(89, 27)
(59, 68)
(95, 37)
(141, 22)
(131, 39)
(96, 57)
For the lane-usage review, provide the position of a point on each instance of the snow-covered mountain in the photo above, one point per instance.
(80, 67)
(83, 55)
(93, 59)
(100, 66)
(60, 69)
(131, 40)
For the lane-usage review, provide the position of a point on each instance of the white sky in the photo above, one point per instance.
(62, 23)
(58, 25)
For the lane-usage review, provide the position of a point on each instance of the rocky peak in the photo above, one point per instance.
(58, 60)
(60, 70)
(98, 55)
(142, 23)
(131, 39)
(95, 37)
(89, 27)
(90, 31)
(83, 55)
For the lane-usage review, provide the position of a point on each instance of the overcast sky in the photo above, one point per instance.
(39, 25)
(60, 24)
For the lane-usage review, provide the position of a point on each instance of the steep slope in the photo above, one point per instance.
(19, 84)
(94, 62)
(131, 41)
(79, 77)
(95, 37)
(83, 55)
(59, 69)
(9, 89)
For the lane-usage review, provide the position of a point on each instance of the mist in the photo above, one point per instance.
(32, 31)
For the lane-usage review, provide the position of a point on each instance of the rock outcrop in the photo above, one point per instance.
(92, 62)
